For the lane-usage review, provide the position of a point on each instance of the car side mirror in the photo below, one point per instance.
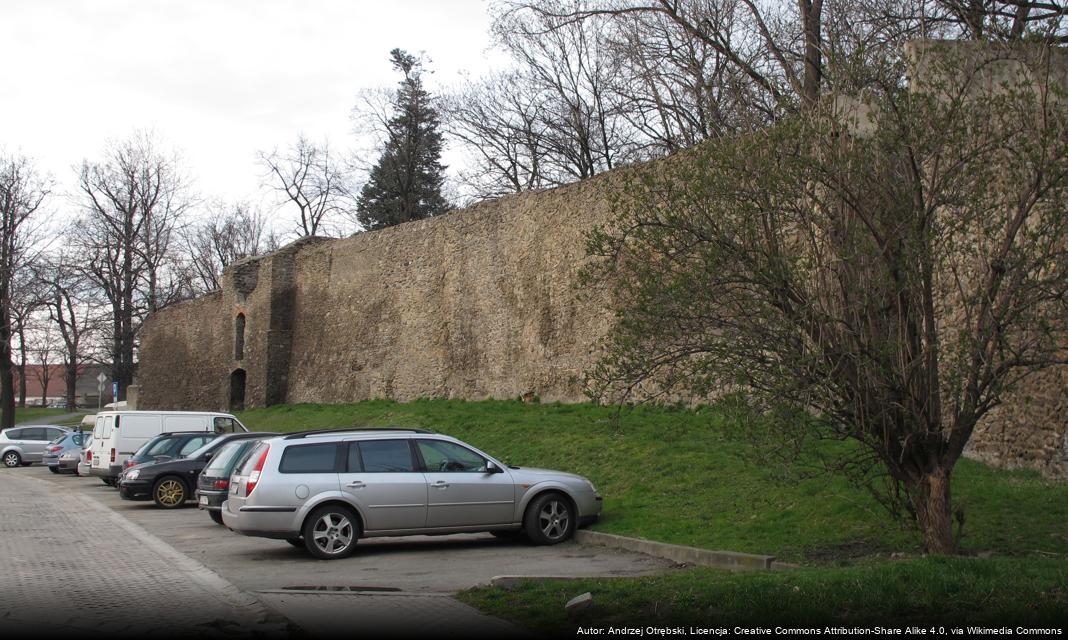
(208, 455)
(491, 467)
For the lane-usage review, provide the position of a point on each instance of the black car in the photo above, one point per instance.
(214, 483)
(170, 482)
(168, 446)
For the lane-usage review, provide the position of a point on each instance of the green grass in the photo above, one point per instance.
(686, 477)
(32, 413)
(922, 591)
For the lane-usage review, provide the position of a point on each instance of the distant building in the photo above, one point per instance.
(85, 389)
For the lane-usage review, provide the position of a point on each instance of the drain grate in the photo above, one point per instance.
(357, 588)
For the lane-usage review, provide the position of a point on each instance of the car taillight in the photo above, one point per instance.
(54, 448)
(254, 477)
(129, 463)
(113, 454)
(221, 484)
(88, 456)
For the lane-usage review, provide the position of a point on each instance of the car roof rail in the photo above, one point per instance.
(317, 432)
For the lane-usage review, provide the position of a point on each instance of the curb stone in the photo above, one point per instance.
(729, 560)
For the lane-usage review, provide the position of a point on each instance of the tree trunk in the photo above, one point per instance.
(7, 387)
(71, 375)
(931, 499)
(21, 369)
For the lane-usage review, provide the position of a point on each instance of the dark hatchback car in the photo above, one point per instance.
(214, 482)
(168, 446)
(171, 482)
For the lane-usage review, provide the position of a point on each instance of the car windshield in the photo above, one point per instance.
(155, 447)
(206, 447)
(221, 460)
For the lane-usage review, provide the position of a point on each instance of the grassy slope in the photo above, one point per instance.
(680, 476)
(921, 591)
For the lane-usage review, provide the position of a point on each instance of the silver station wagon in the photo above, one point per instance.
(324, 490)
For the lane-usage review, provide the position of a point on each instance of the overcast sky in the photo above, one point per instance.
(217, 79)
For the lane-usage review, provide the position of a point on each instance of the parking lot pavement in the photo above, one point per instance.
(73, 566)
(403, 582)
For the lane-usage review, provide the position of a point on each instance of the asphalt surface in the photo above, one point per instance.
(392, 586)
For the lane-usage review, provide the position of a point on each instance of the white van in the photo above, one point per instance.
(118, 434)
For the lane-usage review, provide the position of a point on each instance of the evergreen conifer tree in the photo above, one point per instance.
(405, 183)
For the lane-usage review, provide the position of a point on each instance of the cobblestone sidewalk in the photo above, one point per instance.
(71, 564)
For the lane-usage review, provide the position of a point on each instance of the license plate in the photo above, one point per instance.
(204, 500)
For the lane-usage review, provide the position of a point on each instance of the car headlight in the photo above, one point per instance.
(132, 474)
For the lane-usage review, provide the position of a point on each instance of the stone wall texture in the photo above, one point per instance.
(475, 304)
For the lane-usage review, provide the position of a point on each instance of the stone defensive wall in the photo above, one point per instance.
(474, 304)
(479, 303)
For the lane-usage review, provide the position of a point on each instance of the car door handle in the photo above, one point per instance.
(356, 484)
(440, 484)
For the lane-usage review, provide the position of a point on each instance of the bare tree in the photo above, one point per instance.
(230, 232)
(22, 192)
(308, 178)
(45, 351)
(25, 301)
(72, 306)
(132, 201)
(499, 120)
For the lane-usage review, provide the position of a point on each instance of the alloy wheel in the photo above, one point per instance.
(553, 519)
(333, 533)
(11, 459)
(170, 493)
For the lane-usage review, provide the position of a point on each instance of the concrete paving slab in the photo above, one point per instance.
(74, 564)
(409, 615)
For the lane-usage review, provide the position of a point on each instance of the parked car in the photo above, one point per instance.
(118, 434)
(214, 481)
(26, 445)
(70, 441)
(171, 482)
(324, 490)
(85, 458)
(168, 446)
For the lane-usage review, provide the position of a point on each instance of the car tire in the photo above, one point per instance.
(550, 519)
(331, 532)
(216, 516)
(53, 469)
(296, 542)
(169, 492)
(12, 459)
